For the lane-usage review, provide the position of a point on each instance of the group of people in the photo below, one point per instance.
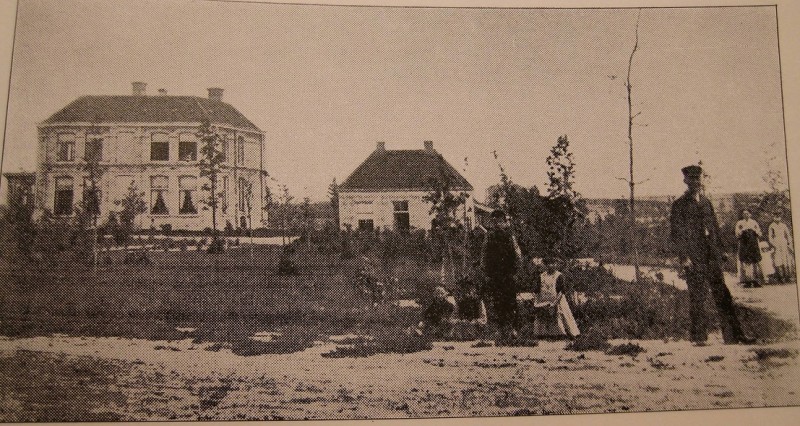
(500, 261)
(696, 240)
(753, 268)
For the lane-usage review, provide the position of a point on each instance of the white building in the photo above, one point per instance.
(149, 142)
(386, 191)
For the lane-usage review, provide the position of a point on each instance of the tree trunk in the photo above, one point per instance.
(632, 235)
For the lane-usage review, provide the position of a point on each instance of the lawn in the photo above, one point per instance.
(227, 298)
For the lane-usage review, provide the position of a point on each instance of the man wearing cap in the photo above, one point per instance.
(499, 261)
(696, 239)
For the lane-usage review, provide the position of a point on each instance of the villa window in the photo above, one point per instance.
(366, 225)
(159, 147)
(62, 205)
(66, 147)
(91, 196)
(159, 185)
(401, 218)
(188, 188)
(94, 150)
(187, 147)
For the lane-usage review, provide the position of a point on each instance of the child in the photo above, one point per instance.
(553, 314)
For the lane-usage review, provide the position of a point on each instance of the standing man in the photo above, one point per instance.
(781, 241)
(499, 262)
(696, 238)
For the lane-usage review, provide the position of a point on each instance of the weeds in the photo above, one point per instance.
(632, 349)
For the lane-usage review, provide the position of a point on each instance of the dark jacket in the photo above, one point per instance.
(694, 230)
(499, 258)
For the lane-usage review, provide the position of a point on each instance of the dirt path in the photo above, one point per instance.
(179, 380)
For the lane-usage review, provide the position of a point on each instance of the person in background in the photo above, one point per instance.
(500, 260)
(694, 232)
(748, 233)
(780, 239)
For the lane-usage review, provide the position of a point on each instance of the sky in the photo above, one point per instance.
(325, 83)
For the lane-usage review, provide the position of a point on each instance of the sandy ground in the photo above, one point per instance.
(147, 380)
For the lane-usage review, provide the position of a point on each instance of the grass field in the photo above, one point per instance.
(226, 298)
(229, 297)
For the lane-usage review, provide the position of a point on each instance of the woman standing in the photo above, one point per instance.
(748, 232)
(781, 241)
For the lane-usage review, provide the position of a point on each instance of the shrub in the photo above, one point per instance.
(629, 348)
(588, 342)
(286, 265)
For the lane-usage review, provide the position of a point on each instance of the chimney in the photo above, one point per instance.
(162, 92)
(381, 146)
(215, 94)
(428, 145)
(138, 88)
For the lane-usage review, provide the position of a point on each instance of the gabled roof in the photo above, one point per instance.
(403, 170)
(150, 109)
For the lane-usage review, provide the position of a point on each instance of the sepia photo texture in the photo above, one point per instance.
(217, 210)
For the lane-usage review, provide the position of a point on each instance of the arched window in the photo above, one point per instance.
(188, 187)
(159, 185)
(159, 147)
(187, 147)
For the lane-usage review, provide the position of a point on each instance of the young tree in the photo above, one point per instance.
(212, 158)
(333, 195)
(307, 219)
(284, 210)
(88, 212)
(133, 204)
(632, 231)
(565, 206)
(445, 204)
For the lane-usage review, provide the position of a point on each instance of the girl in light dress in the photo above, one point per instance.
(553, 315)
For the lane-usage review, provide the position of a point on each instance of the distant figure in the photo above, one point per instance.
(499, 259)
(747, 233)
(780, 239)
(553, 315)
(696, 238)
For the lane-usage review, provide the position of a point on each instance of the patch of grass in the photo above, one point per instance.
(763, 354)
(588, 342)
(630, 348)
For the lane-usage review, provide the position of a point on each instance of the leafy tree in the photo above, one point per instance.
(446, 226)
(133, 204)
(333, 195)
(307, 220)
(565, 207)
(212, 158)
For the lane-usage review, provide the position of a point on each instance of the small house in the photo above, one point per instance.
(387, 190)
